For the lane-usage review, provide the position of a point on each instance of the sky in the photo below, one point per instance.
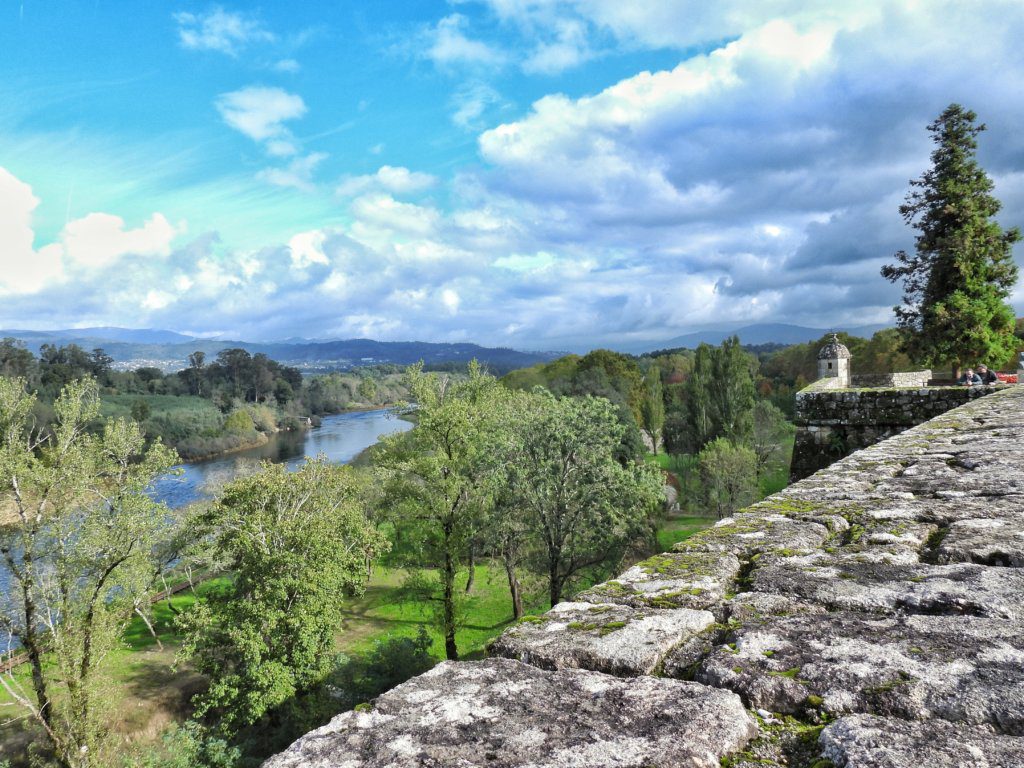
(538, 174)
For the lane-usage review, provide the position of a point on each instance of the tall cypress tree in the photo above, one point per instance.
(957, 281)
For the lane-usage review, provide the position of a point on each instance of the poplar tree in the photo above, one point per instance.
(957, 280)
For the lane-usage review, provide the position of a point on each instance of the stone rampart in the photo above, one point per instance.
(869, 616)
(909, 379)
(833, 422)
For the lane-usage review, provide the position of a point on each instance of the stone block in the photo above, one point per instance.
(616, 639)
(501, 713)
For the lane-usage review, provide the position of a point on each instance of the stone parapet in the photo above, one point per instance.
(866, 617)
(834, 422)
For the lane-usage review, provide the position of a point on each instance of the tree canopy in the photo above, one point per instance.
(957, 280)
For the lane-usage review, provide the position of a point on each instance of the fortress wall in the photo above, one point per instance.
(833, 423)
(866, 617)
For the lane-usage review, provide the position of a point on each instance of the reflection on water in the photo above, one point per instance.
(340, 438)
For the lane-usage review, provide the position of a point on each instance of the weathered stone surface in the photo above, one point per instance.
(959, 668)
(836, 582)
(500, 712)
(691, 579)
(748, 534)
(604, 637)
(863, 741)
(989, 541)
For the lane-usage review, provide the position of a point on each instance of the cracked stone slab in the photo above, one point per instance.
(958, 668)
(692, 579)
(748, 534)
(833, 581)
(987, 541)
(611, 638)
(502, 713)
(863, 741)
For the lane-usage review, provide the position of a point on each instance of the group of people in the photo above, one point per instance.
(982, 376)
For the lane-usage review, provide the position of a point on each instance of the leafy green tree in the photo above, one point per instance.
(728, 473)
(771, 433)
(719, 394)
(653, 406)
(295, 544)
(15, 360)
(367, 389)
(957, 280)
(434, 478)
(78, 541)
(562, 473)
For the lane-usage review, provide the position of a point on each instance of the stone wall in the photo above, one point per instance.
(866, 617)
(910, 379)
(833, 423)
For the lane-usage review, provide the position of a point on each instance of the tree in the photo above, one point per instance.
(729, 475)
(771, 432)
(367, 389)
(196, 361)
(719, 394)
(653, 406)
(957, 280)
(295, 543)
(434, 478)
(562, 473)
(77, 543)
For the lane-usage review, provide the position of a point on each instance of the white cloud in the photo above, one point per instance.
(220, 30)
(449, 46)
(297, 174)
(451, 300)
(470, 102)
(23, 269)
(569, 49)
(290, 66)
(394, 179)
(100, 239)
(307, 248)
(260, 112)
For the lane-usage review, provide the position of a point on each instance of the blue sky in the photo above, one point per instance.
(532, 173)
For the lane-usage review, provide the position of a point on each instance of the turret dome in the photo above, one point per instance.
(834, 350)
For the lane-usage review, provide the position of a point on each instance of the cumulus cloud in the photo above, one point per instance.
(23, 269)
(219, 30)
(260, 112)
(100, 239)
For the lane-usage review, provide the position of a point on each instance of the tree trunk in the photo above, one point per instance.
(515, 591)
(448, 610)
(554, 582)
(472, 566)
(149, 626)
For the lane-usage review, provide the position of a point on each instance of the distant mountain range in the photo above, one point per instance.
(133, 348)
(761, 333)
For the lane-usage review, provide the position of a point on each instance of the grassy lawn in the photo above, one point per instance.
(121, 405)
(377, 614)
(676, 529)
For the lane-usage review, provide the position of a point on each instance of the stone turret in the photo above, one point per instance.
(834, 361)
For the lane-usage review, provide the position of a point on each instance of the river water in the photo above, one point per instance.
(340, 438)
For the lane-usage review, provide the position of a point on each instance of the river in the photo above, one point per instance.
(340, 438)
